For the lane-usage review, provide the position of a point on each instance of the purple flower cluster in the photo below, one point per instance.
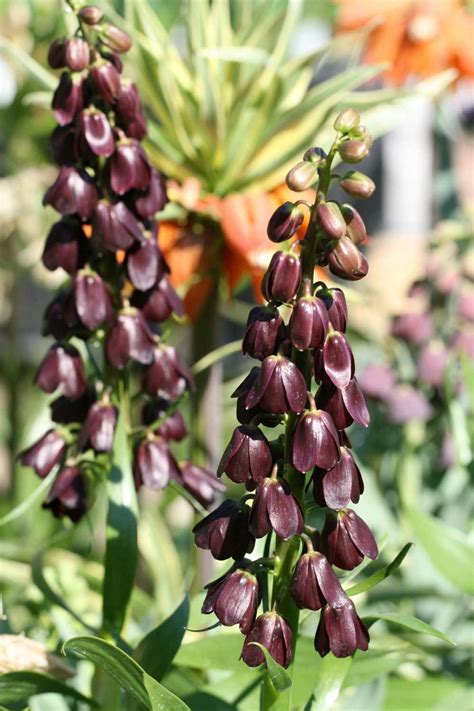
(311, 347)
(118, 292)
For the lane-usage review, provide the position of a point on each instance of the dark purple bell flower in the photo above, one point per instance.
(285, 221)
(341, 631)
(73, 192)
(275, 508)
(336, 488)
(76, 54)
(154, 464)
(338, 360)
(377, 381)
(265, 331)
(147, 204)
(60, 318)
(44, 454)
(254, 415)
(65, 411)
(94, 133)
(315, 441)
(68, 495)
(308, 323)
(355, 226)
(63, 368)
(406, 404)
(431, 364)
(280, 387)
(233, 599)
(99, 427)
(344, 405)
(92, 300)
(171, 427)
(330, 220)
(68, 99)
(116, 226)
(225, 531)
(158, 304)
(282, 278)
(136, 128)
(200, 483)
(106, 80)
(66, 246)
(346, 539)
(346, 261)
(56, 54)
(129, 339)
(129, 167)
(63, 145)
(337, 308)
(167, 376)
(113, 58)
(273, 632)
(414, 327)
(315, 583)
(247, 458)
(128, 102)
(145, 264)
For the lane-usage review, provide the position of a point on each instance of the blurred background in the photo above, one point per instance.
(408, 67)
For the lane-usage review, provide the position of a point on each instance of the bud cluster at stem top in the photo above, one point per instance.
(308, 349)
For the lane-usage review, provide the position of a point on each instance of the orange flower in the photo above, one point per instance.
(417, 38)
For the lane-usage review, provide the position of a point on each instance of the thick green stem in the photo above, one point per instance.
(287, 552)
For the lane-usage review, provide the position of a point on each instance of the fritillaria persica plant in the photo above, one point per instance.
(310, 464)
(117, 293)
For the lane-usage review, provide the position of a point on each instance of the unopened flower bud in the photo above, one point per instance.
(308, 323)
(68, 495)
(265, 331)
(330, 219)
(340, 485)
(225, 531)
(346, 539)
(355, 226)
(280, 387)
(284, 222)
(336, 306)
(282, 278)
(347, 121)
(353, 151)
(106, 80)
(68, 99)
(115, 39)
(44, 454)
(274, 633)
(362, 134)
(315, 155)
(247, 458)
(341, 631)
(167, 376)
(302, 176)
(76, 54)
(56, 54)
(234, 599)
(275, 508)
(346, 261)
(90, 14)
(357, 184)
(315, 583)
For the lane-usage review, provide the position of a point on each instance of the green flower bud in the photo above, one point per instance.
(357, 184)
(353, 151)
(302, 176)
(347, 121)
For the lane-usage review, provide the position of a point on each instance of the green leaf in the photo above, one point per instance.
(32, 498)
(280, 678)
(17, 687)
(126, 673)
(412, 623)
(156, 651)
(121, 553)
(380, 575)
(216, 651)
(446, 547)
(31, 65)
(331, 675)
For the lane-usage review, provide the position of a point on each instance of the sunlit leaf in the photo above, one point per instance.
(380, 575)
(410, 622)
